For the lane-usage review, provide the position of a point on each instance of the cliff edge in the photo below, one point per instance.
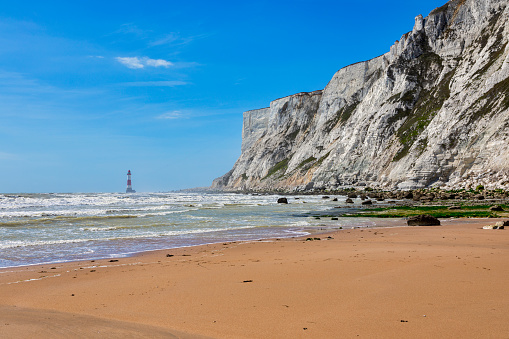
(433, 111)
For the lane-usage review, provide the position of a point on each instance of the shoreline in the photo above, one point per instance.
(308, 230)
(362, 281)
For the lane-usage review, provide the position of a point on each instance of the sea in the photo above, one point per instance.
(58, 227)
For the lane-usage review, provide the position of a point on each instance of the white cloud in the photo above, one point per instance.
(158, 63)
(130, 62)
(172, 115)
(138, 63)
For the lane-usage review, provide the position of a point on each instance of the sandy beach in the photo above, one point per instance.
(401, 282)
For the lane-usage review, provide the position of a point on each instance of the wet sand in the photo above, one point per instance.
(403, 282)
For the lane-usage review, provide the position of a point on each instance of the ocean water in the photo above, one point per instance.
(48, 228)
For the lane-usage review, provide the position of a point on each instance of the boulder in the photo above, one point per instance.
(407, 195)
(282, 201)
(335, 199)
(496, 208)
(352, 195)
(423, 220)
(349, 201)
(325, 197)
(454, 208)
(367, 202)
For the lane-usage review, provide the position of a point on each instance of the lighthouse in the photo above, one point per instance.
(129, 188)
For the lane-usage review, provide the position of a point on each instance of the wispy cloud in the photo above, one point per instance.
(131, 29)
(175, 39)
(172, 115)
(165, 40)
(142, 62)
(7, 156)
(156, 83)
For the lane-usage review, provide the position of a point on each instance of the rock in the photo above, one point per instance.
(352, 195)
(349, 201)
(503, 223)
(454, 208)
(479, 197)
(282, 201)
(408, 195)
(335, 199)
(423, 220)
(367, 202)
(496, 208)
(363, 197)
(325, 197)
(497, 226)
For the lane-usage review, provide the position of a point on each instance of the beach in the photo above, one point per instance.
(389, 282)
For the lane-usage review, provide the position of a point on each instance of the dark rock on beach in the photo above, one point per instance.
(423, 220)
(282, 201)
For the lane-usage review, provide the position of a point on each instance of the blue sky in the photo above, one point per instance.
(90, 89)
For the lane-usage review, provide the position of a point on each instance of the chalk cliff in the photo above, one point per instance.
(433, 111)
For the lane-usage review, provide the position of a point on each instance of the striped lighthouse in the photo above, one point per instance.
(129, 188)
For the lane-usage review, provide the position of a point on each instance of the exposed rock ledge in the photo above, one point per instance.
(433, 111)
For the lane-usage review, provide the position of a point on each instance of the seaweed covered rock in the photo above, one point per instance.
(423, 220)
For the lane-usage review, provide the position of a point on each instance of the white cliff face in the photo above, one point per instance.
(433, 111)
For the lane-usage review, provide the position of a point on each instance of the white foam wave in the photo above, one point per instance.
(20, 243)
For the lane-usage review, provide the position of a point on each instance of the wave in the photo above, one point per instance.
(19, 243)
(60, 218)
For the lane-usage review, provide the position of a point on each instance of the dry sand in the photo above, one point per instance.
(406, 282)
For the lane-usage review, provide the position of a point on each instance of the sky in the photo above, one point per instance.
(91, 89)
